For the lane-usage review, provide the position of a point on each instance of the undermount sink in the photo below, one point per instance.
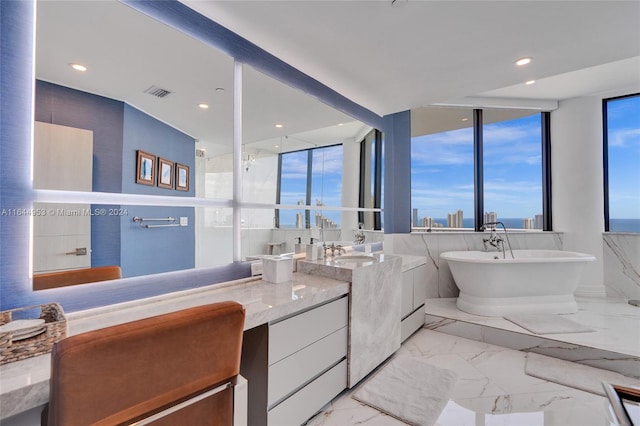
(354, 258)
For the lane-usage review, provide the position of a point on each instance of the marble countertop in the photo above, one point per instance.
(333, 268)
(25, 384)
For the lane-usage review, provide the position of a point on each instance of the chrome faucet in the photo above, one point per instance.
(495, 240)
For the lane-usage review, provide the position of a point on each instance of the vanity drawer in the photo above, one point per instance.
(291, 335)
(290, 373)
(310, 399)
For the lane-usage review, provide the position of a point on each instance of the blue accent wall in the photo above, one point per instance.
(61, 105)
(397, 173)
(143, 132)
(153, 250)
(64, 106)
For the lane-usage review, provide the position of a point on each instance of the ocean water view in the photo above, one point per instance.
(624, 225)
(615, 225)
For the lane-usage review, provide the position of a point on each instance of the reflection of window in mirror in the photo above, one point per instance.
(371, 180)
(294, 152)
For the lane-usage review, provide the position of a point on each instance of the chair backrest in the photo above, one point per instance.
(120, 374)
(56, 279)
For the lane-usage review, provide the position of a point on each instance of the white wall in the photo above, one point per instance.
(350, 185)
(577, 184)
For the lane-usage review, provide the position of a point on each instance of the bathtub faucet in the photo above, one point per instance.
(495, 240)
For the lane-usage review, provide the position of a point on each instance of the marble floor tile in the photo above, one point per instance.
(615, 323)
(492, 389)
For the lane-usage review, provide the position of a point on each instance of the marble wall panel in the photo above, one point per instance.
(622, 265)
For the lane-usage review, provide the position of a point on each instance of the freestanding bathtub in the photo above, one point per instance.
(535, 281)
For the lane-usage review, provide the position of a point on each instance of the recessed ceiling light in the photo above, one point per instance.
(203, 105)
(530, 82)
(279, 126)
(523, 61)
(219, 89)
(465, 119)
(340, 124)
(276, 146)
(78, 67)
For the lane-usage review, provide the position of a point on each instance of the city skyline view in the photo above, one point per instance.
(442, 177)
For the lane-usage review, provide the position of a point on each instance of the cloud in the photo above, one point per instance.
(624, 138)
(447, 148)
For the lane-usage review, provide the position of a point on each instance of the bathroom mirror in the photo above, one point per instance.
(150, 103)
(294, 157)
(137, 112)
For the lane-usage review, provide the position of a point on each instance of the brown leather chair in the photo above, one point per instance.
(125, 373)
(57, 279)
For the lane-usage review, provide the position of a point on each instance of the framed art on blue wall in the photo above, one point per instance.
(145, 168)
(165, 173)
(182, 177)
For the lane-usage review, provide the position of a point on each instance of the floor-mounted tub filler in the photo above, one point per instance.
(534, 281)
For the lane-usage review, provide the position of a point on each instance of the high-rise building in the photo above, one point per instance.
(539, 221)
(490, 217)
(428, 222)
(455, 220)
(414, 220)
(527, 223)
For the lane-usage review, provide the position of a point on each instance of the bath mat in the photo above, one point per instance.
(573, 375)
(547, 324)
(409, 389)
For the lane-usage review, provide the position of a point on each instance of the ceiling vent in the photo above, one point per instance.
(158, 92)
(201, 152)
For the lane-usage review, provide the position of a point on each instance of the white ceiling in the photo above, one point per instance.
(392, 58)
(385, 58)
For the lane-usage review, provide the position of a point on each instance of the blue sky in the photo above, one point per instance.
(442, 170)
(623, 117)
(326, 182)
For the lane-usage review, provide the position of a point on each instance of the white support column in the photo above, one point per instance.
(577, 184)
(350, 187)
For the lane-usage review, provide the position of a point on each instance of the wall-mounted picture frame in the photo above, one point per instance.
(165, 173)
(182, 177)
(145, 168)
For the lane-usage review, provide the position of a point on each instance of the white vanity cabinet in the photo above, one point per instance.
(414, 293)
(307, 365)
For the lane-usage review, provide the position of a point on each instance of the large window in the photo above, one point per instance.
(326, 184)
(293, 187)
(311, 177)
(444, 168)
(512, 158)
(622, 163)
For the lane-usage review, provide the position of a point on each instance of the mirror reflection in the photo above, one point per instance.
(152, 114)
